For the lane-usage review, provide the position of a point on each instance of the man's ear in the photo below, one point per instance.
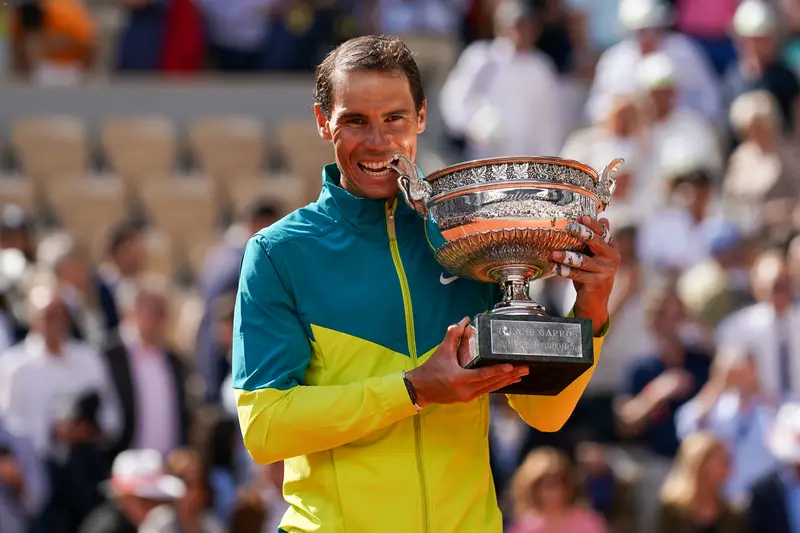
(323, 125)
(422, 117)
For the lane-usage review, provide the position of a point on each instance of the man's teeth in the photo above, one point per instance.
(376, 166)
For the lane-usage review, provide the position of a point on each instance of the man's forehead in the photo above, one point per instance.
(371, 92)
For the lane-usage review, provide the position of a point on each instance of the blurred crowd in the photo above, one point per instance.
(691, 421)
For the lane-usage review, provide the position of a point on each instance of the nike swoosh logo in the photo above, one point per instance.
(446, 281)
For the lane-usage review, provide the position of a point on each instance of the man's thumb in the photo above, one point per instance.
(454, 333)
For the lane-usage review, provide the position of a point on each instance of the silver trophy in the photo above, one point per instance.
(496, 221)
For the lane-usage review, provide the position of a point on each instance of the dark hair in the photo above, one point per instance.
(122, 234)
(262, 208)
(369, 53)
(31, 15)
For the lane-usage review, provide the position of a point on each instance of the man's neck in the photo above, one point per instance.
(53, 347)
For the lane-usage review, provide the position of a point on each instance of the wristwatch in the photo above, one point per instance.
(412, 392)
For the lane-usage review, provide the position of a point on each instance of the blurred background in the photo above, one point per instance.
(143, 141)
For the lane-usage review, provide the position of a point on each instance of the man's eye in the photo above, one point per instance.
(394, 118)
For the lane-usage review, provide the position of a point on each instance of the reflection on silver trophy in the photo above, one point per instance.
(496, 221)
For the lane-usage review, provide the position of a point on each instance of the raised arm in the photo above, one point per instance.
(550, 413)
(593, 278)
(280, 415)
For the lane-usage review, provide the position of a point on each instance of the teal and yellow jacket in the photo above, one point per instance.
(335, 301)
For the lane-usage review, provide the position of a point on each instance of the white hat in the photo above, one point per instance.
(784, 440)
(657, 71)
(141, 473)
(642, 14)
(755, 18)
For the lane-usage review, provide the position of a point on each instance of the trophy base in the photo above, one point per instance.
(557, 350)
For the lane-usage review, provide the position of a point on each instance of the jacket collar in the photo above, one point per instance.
(365, 216)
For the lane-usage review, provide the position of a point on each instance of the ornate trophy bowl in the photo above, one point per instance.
(496, 221)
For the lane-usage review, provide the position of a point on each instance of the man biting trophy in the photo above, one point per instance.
(354, 359)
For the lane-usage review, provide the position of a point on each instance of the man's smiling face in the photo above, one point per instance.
(372, 117)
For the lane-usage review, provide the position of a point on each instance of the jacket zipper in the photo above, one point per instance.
(412, 349)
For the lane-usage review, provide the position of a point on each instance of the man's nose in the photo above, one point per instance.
(376, 136)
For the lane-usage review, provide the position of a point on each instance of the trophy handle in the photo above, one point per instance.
(416, 190)
(608, 181)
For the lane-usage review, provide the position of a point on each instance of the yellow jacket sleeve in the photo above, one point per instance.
(550, 413)
(281, 416)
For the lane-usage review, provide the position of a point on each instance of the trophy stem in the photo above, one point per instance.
(516, 298)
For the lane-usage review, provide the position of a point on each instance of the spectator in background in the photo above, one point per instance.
(222, 448)
(191, 513)
(676, 239)
(769, 329)
(774, 503)
(149, 378)
(138, 484)
(24, 487)
(47, 373)
(53, 41)
(720, 285)
(610, 484)
(708, 23)
(790, 12)
(16, 231)
(546, 499)
(161, 36)
(658, 384)
(563, 36)
(677, 131)
(733, 407)
(416, 17)
(237, 32)
(221, 276)
(68, 261)
(141, 37)
(127, 257)
(250, 514)
(623, 133)
(692, 498)
(760, 66)
(500, 88)
(762, 184)
(60, 394)
(655, 387)
(647, 23)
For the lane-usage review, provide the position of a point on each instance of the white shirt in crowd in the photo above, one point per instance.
(760, 330)
(618, 66)
(157, 419)
(36, 387)
(672, 239)
(504, 102)
(686, 134)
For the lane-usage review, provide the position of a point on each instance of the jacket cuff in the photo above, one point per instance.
(603, 331)
(394, 397)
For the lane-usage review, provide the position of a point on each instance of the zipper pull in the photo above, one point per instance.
(390, 223)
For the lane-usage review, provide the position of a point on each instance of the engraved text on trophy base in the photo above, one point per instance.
(536, 338)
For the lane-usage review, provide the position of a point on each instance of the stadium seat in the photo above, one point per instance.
(140, 148)
(51, 147)
(89, 209)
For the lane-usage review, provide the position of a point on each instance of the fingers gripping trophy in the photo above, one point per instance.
(498, 221)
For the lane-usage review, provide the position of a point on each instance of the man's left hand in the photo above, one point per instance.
(592, 274)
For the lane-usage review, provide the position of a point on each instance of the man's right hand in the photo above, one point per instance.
(441, 379)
